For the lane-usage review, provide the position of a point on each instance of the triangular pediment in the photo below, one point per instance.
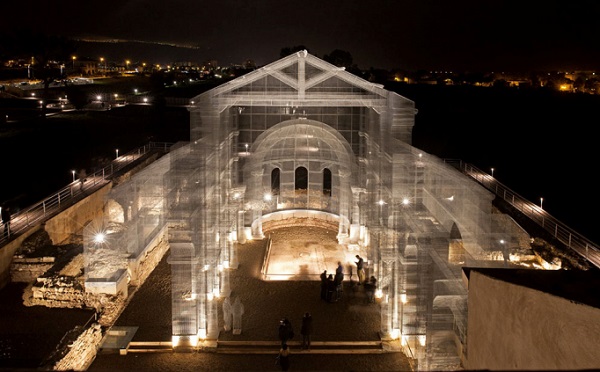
(299, 76)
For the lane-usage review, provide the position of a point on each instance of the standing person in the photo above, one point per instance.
(306, 330)
(285, 331)
(82, 175)
(284, 357)
(324, 285)
(227, 314)
(360, 269)
(338, 279)
(339, 269)
(6, 220)
(370, 288)
(330, 289)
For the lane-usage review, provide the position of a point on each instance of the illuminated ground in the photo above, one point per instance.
(265, 302)
(303, 254)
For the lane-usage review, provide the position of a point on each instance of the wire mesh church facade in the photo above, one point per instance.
(302, 134)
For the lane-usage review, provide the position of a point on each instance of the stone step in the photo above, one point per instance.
(268, 347)
(149, 347)
(317, 347)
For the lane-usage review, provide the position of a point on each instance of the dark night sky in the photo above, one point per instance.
(462, 35)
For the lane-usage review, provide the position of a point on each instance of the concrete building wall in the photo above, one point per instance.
(511, 327)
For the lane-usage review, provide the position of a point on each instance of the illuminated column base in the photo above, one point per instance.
(184, 344)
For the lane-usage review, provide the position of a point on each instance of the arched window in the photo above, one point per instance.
(301, 179)
(275, 181)
(326, 182)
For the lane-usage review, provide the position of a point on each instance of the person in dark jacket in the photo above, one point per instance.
(330, 289)
(338, 279)
(285, 331)
(306, 330)
(324, 285)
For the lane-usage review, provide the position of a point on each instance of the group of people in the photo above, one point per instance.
(332, 286)
(285, 332)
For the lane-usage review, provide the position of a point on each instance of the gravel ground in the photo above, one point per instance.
(265, 303)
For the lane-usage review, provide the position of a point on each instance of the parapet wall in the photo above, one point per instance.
(70, 222)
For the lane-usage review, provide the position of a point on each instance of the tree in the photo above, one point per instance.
(340, 58)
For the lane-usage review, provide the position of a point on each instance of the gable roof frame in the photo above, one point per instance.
(274, 69)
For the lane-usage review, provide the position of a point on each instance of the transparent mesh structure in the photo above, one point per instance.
(302, 134)
(134, 215)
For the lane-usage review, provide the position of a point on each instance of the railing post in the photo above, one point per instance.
(570, 240)
(586, 250)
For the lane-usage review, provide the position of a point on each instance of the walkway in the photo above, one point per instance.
(567, 236)
(74, 192)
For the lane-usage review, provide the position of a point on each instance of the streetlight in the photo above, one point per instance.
(117, 152)
(73, 172)
(541, 203)
(492, 172)
(246, 149)
(102, 63)
(74, 62)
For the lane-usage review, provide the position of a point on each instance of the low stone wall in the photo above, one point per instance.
(7, 254)
(56, 291)
(65, 291)
(290, 218)
(27, 270)
(81, 352)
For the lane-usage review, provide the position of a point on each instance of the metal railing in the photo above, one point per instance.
(73, 192)
(575, 241)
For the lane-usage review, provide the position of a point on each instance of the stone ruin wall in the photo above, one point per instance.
(55, 282)
(79, 353)
(299, 221)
